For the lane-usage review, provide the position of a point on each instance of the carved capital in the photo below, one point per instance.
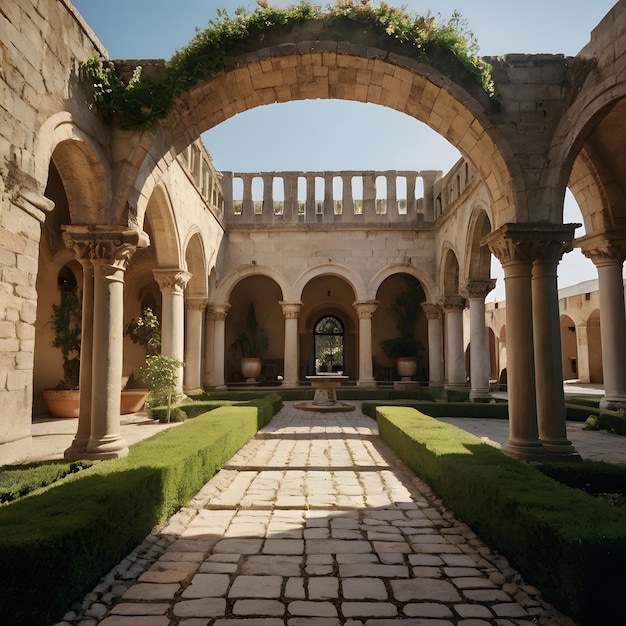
(171, 279)
(219, 311)
(291, 310)
(453, 303)
(195, 303)
(106, 244)
(479, 288)
(603, 249)
(525, 243)
(431, 310)
(366, 308)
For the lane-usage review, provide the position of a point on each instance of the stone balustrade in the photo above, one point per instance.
(304, 204)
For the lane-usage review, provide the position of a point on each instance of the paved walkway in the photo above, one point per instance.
(314, 522)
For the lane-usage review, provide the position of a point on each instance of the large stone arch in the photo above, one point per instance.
(195, 260)
(424, 279)
(310, 62)
(330, 269)
(477, 256)
(230, 281)
(163, 229)
(449, 271)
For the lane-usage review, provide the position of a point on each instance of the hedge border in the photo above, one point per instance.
(562, 540)
(48, 556)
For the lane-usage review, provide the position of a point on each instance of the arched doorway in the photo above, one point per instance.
(328, 343)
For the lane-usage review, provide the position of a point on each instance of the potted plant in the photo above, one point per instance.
(146, 332)
(66, 319)
(253, 343)
(404, 348)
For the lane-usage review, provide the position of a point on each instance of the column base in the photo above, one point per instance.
(480, 395)
(108, 447)
(76, 451)
(560, 450)
(366, 382)
(525, 450)
(613, 403)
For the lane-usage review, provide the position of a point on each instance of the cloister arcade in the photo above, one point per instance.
(142, 218)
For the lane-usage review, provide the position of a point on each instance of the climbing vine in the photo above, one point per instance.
(141, 100)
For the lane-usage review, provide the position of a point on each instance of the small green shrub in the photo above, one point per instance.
(592, 422)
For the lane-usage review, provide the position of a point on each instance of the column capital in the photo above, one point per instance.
(112, 245)
(365, 308)
(219, 310)
(431, 310)
(453, 303)
(525, 243)
(478, 289)
(172, 279)
(195, 303)
(603, 249)
(291, 310)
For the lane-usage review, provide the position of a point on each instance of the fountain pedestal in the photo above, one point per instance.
(325, 399)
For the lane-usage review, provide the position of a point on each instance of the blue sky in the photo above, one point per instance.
(332, 135)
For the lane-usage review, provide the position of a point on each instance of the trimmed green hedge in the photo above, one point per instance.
(591, 476)
(570, 545)
(56, 544)
(495, 410)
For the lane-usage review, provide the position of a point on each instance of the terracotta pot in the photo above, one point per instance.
(250, 368)
(406, 366)
(62, 402)
(132, 400)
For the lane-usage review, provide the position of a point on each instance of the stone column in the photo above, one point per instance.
(209, 348)
(550, 243)
(369, 196)
(435, 345)
(247, 206)
(608, 255)
(477, 291)
(81, 439)
(195, 307)
(291, 311)
(172, 282)
(514, 249)
(109, 250)
(329, 203)
(220, 311)
(347, 211)
(411, 201)
(310, 210)
(365, 310)
(290, 204)
(455, 355)
(268, 198)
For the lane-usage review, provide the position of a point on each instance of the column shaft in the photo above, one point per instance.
(455, 355)
(193, 342)
(219, 316)
(365, 310)
(435, 344)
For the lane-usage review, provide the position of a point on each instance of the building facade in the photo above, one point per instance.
(141, 218)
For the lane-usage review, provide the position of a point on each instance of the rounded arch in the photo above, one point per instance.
(195, 260)
(451, 103)
(450, 272)
(230, 281)
(424, 279)
(82, 159)
(330, 269)
(163, 227)
(478, 257)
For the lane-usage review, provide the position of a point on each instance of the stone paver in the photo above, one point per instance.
(315, 522)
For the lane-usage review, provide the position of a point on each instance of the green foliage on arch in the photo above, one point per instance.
(140, 101)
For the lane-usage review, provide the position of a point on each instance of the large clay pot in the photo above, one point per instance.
(251, 368)
(406, 367)
(132, 400)
(62, 402)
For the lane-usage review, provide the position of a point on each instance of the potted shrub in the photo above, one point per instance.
(404, 348)
(66, 318)
(253, 343)
(146, 332)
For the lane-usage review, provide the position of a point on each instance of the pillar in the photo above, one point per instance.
(291, 311)
(195, 307)
(551, 416)
(608, 255)
(435, 346)
(347, 201)
(108, 249)
(455, 356)
(515, 251)
(209, 337)
(365, 310)
(172, 282)
(220, 311)
(477, 291)
(582, 349)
